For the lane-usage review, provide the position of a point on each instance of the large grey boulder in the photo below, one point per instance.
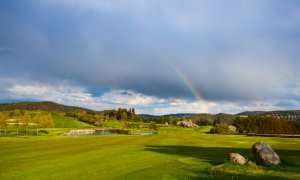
(264, 154)
(186, 124)
(237, 158)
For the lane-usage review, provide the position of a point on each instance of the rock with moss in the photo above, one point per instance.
(264, 154)
(186, 123)
(237, 158)
(232, 129)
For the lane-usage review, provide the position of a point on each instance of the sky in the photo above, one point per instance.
(160, 57)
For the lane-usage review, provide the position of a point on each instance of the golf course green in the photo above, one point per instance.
(174, 153)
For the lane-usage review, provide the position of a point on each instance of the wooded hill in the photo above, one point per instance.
(280, 113)
(168, 115)
(43, 106)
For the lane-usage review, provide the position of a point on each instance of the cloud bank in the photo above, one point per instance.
(233, 52)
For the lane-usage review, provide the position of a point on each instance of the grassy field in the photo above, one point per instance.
(61, 121)
(175, 153)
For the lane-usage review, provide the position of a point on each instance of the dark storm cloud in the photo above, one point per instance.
(230, 50)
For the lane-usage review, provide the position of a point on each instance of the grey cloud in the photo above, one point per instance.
(229, 51)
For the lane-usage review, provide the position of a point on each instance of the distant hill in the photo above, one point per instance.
(44, 106)
(287, 114)
(264, 113)
(168, 115)
(179, 115)
(148, 115)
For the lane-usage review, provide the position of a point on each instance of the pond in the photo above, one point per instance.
(96, 132)
(148, 133)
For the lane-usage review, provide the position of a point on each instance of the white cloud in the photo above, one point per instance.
(75, 95)
(69, 94)
(61, 93)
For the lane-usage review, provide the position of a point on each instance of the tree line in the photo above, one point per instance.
(97, 119)
(23, 120)
(122, 115)
(266, 125)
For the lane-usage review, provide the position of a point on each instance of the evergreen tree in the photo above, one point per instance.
(123, 116)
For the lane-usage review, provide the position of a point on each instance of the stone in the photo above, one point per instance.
(237, 158)
(186, 124)
(264, 154)
(232, 128)
(249, 163)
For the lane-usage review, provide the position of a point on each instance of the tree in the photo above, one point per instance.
(38, 119)
(131, 117)
(3, 123)
(152, 126)
(25, 120)
(17, 124)
(98, 120)
(123, 116)
(107, 117)
(17, 112)
(47, 120)
(217, 121)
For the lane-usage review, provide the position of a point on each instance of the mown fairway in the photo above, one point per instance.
(176, 153)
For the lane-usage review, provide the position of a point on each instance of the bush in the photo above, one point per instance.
(153, 126)
(222, 129)
(204, 122)
(131, 125)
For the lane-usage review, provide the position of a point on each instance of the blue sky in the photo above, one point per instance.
(239, 55)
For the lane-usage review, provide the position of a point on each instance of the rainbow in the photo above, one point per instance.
(195, 91)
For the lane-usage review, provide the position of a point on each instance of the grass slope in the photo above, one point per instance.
(61, 121)
(176, 153)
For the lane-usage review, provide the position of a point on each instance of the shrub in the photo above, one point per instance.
(222, 129)
(153, 126)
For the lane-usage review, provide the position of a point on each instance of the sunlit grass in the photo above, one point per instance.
(174, 153)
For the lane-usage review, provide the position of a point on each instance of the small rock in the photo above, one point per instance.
(237, 158)
(249, 163)
(232, 128)
(264, 154)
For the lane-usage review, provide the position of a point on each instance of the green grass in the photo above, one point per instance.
(175, 153)
(61, 121)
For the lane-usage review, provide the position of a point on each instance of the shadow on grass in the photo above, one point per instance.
(212, 155)
(218, 155)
